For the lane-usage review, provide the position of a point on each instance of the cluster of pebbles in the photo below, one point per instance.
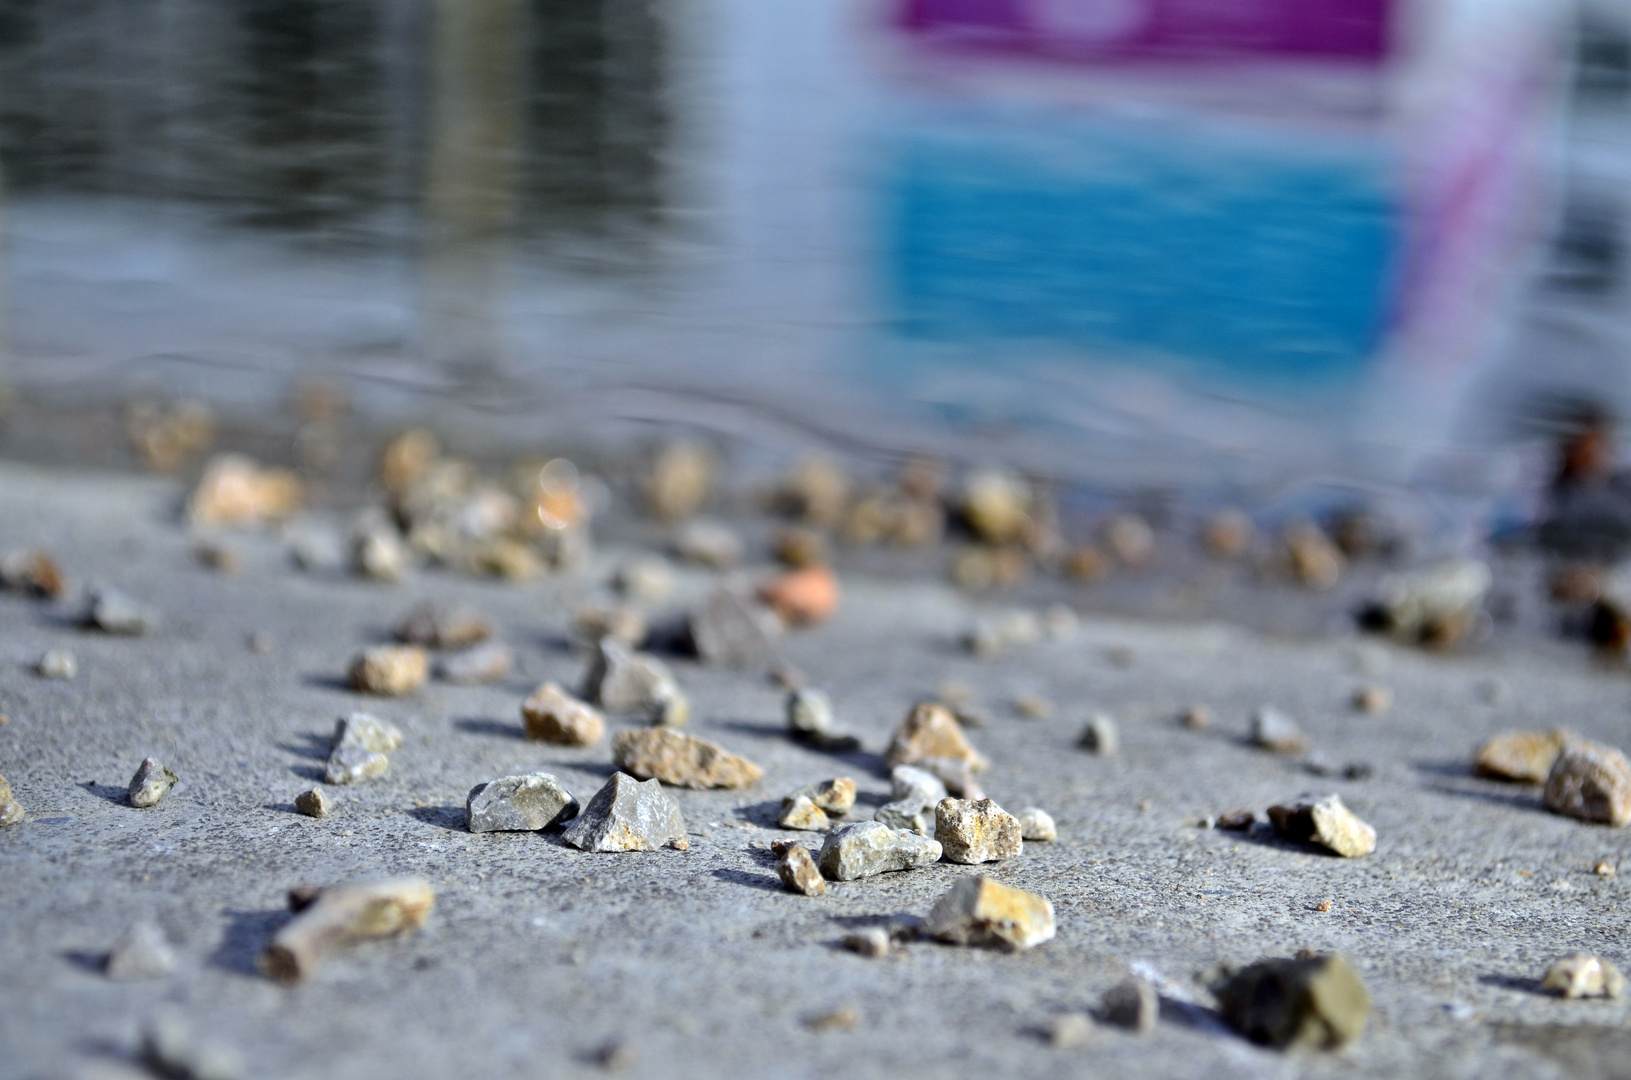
(438, 510)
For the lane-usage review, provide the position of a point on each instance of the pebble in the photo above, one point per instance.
(380, 554)
(798, 546)
(235, 490)
(628, 815)
(314, 546)
(1317, 1002)
(222, 558)
(865, 848)
(1196, 718)
(1590, 782)
(1274, 730)
(973, 832)
(996, 634)
(313, 802)
(1037, 824)
(1132, 1004)
(870, 941)
(810, 721)
(552, 715)
(151, 782)
(389, 670)
(1328, 823)
(343, 914)
(1100, 736)
(1033, 707)
(1435, 605)
(708, 543)
(681, 475)
(729, 628)
(979, 911)
(1070, 1031)
(798, 871)
(622, 622)
(803, 597)
(815, 490)
(624, 681)
(1604, 868)
(996, 505)
(1227, 533)
(11, 811)
(682, 760)
(930, 731)
(957, 775)
(142, 953)
(1374, 700)
(1524, 756)
(1313, 559)
(407, 458)
(1582, 975)
(358, 750)
(354, 765)
(58, 664)
(799, 812)
(169, 1048)
(914, 793)
(1235, 821)
(646, 581)
(443, 626)
(32, 572)
(1130, 539)
(843, 1018)
(1085, 562)
(519, 804)
(835, 796)
(113, 612)
(913, 815)
(484, 663)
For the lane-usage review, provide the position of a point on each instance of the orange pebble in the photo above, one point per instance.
(806, 595)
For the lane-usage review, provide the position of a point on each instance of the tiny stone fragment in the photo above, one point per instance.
(484, 663)
(1236, 820)
(1582, 975)
(708, 543)
(798, 871)
(683, 760)
(11, 811)
(380, 554)
(994, 635)
(58, 664)
(343, 914)
(1033, 707)
(151, 782)
(841, 1019)
(32, 572)
(1227, 533)
(1070, 1031)
(443, 626)
(976, 832)
(804, 596)
(871, 941)
(1274, 730)
(1196, 717)
(1590, 782)
(1328, 823)
(799, 812)
(359, 748)
(313, 802)
(681, 475)
(389, 670)
(519, 804)
(728, 628)
(1604, 868)
(931, 731)
(1131, 1004)
(866, 848)
(142, 953)
(1100, 737)
(957, 775)
(1318, 1002)
(979, 911)
(220, 557)
(809, 721)
(835, 796)
(621, 622)
(628, 815)
(354, 765)
(1037, 824)
(552, 715)
(1374, 700)
(1434, 606)
(169, 1048)
(624, 681)
(645, 580)
(1524, 756)
(113, 612)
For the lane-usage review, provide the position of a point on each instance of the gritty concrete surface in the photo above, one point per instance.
(537, 956)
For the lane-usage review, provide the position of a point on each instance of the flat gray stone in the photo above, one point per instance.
(865, 848)
(519, 804)
(729, 628)
(628, 815)
(624, 681)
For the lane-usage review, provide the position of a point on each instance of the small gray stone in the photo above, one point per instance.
(1274, 730)
(1036, 823)
(519, 804)
(443, 626)
(113, 612)
(354, 765)
(1070, 1031)
(708, 543)
(380, 554)
(315, 547)
(142, 953)
(800, 812)
(1101, 736)
(484, 663)
(866, 848)
(624, 681)
(798, 871)
(1132, 1004)
(810, 721)
(908, 782)
(995, 635)
(628, 815)
(870, 941)
(835, 796)
(1326, 822)
(1319, 1002)
(313, 803)
(729, 628)
(913, 815)
(367, 732)
(956, 774)
(170, 1048)
(150, 783)
(1590, 782)
(58, 664)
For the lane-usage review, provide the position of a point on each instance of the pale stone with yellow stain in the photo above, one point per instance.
(552, 715)
(976, 831)
(389, 670)
(1328, 823)
(683, 760)
(1582, 975)
(931, 731)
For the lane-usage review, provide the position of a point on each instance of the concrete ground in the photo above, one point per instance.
(537, 955)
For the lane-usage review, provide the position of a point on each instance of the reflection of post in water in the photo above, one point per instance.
(468, 207)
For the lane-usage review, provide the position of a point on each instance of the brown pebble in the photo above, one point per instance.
(1374, 700)
(797, 546)
(389, 670)
(872, 941)
(554, 716)
(798, 872)
(1590, 782)
(803, 597)
(1196, 717)
(1086, 563)
(222, 558)
(313, 803)
(843, 1019)
(1236, 820)
(1033, 707)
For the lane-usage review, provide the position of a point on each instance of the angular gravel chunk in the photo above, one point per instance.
(728, 628)
(313, 802)
(552, 715)
(627, 815)
(484, 663)
(683, 760)
(624, 681)
(930, 731)
(798, 871)
(1318, 1003)
(354, 765)
(58, 664)
(1100, 736)
(1328, 823)
(1524, 756)
(389, 670)
(519, 804)
(142, 953)
(11, 811)
(798, 812)
(443, 626)
(113, 612)
(343, 914)
(1590, 782)
(957, 775)
(979, 911)
(1036, 823)
(366, 731)
(150, 783)
(1274, 730)
(835, 796)
(1132, 1004)
(976, 832)
(865, 848)
(1582, 975)
(910, 782)
(810, 721)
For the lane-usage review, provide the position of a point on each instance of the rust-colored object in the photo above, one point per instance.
(804, 596)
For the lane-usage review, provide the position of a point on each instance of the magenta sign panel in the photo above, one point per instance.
(1108, 29)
